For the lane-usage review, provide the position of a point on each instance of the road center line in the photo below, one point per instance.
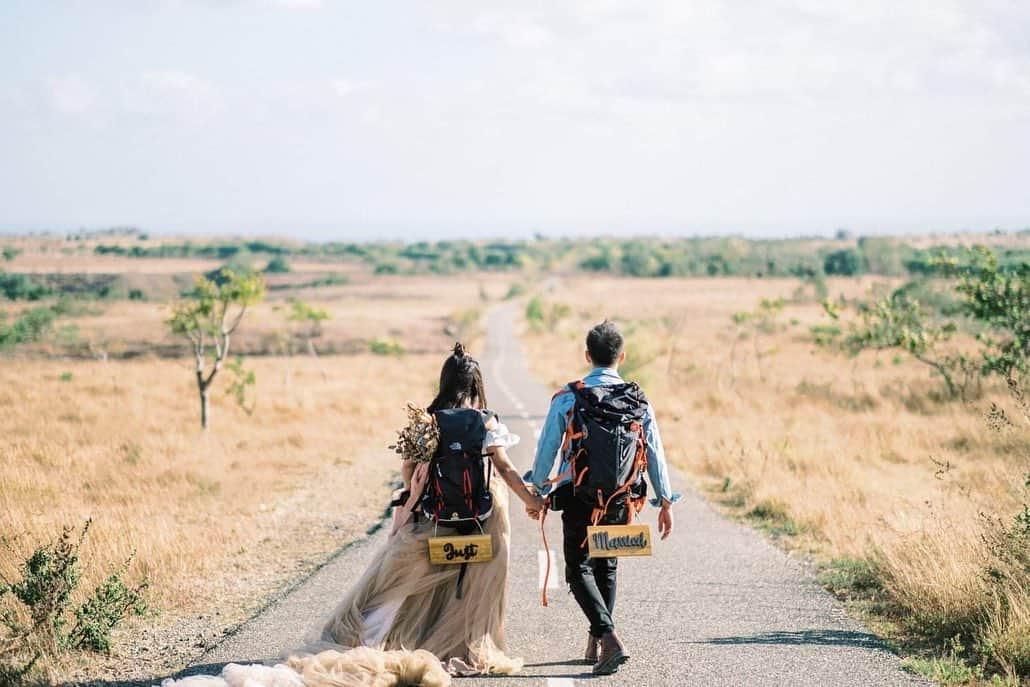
(560, 682)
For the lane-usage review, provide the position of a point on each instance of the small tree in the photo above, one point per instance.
(1000, 299)
(209, 317)
(241, 380)
(310, 319)
(844, 262)
(897, 322)
(761, 320)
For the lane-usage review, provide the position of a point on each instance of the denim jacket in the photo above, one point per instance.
(553, 431)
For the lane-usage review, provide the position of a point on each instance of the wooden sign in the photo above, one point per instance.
(606, 541)
(476, 548)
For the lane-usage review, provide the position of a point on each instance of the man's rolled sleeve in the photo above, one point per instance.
(547, 446)
(657, 468)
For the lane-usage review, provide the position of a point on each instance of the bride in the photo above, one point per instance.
(408, 621)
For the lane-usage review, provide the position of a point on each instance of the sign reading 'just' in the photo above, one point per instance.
(606, 541)
(476, 548)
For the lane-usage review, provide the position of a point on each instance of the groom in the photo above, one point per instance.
(593, 580)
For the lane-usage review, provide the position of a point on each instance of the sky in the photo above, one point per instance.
(333, 120)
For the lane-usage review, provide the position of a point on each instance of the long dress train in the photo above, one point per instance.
(404, 601)
(402, 623)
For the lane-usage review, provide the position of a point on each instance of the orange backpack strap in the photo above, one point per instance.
(568, 388)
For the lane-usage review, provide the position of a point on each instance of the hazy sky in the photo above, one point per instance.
(333, 119)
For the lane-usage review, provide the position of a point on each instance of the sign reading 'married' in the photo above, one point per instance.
(477, 548)
(606, 541)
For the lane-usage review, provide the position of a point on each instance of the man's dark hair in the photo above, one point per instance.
(604, 343)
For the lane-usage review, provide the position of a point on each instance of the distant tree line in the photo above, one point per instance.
(189, 249)
(637, 257)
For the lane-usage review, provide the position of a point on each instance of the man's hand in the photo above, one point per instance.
(665, 520)
(535, 504)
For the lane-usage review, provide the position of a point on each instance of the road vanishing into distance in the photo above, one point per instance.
(717, 604)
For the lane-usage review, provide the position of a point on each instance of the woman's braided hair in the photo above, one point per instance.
(461, 382)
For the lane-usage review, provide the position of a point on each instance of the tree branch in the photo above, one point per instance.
(237, 320)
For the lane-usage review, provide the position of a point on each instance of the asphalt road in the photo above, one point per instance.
(717, 604)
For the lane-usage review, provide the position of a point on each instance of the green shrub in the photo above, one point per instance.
(535, 312)
(772, 516)
(277, 265)
(849, 578)
(998, 296)
(386, 347)
(20, 287)
(38, 617)
(32, 325)
(825, 334)
(845, 263)
(240, 381)
(935, 294)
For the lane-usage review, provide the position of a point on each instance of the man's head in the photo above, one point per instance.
(604, 345)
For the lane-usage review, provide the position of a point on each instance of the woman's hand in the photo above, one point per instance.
(535, 504)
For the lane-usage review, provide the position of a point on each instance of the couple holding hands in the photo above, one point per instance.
(415, 617)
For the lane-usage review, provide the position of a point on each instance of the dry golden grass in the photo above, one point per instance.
(852, 454)
(419, 312)
(216, 520)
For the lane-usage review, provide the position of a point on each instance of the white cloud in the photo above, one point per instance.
(343, 87)
(513, 28)
(173, 93)
(71, 95)
(793, 50)
(296, 4)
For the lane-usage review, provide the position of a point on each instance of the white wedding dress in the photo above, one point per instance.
(403, 601)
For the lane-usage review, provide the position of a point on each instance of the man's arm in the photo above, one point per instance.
(657, 468)
(549, 443)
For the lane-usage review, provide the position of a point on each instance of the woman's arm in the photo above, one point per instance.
(407, 470)
(507, 471)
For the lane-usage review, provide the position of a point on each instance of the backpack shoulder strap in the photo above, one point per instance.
(639, 394)
(569, 388)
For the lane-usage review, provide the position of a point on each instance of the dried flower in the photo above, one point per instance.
(418, 440)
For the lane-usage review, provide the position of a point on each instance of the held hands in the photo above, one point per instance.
(535, 504)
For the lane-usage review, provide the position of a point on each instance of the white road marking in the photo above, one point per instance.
(541, 557)
(560, 682)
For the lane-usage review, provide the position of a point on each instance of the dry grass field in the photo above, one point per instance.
(904, 499)
(899, 495)
(216, 520)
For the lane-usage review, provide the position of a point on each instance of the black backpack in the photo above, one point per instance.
(458, 492)
(608, 447)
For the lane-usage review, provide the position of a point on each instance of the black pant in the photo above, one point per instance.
(591, 580)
